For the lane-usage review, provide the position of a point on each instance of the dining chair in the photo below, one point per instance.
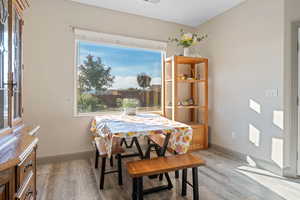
(101, 152)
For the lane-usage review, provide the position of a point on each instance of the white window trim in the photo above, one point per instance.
(111, 40)
(119, 40)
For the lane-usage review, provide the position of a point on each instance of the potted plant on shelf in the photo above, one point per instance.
(187, 40)
(129, 106)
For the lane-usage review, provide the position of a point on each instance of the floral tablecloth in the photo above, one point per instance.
(124, 126)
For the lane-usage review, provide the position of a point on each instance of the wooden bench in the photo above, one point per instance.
(101, 152)
(162, 165)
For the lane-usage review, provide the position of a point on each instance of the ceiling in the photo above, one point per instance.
(187, 12)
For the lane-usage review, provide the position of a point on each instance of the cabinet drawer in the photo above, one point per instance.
(25, 168)
(6, 184)
(199, 140)
(26, 192)
(4, 192)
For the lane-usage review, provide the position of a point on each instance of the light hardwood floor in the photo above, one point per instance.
(223, 178)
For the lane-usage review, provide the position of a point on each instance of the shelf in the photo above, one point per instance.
(187, 81)
(188, 107)
(194, 124)
(191, 81)
(196, 107)
(187, 60)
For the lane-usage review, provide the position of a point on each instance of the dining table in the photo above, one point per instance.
(178, 136)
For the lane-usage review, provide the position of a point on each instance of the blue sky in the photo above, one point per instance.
(126, 63)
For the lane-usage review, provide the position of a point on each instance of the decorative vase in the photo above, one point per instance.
(186, 51)
(129, 111)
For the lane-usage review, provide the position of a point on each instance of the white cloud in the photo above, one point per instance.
(125, 82)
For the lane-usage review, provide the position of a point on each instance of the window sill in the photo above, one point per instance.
(94, 114)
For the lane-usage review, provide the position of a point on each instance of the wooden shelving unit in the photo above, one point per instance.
(195, 115)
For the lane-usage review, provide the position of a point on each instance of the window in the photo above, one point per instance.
(4, 67)
(108, 75)
(17, 68)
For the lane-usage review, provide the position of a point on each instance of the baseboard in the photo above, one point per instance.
(65, 157)
(261, 164)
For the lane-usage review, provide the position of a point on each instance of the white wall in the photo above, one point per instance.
(245, 48)
(49, 66)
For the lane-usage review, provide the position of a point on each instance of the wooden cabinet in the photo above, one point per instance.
(17, 144)
(185, 95)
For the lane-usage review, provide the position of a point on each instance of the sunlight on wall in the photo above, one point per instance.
(277, 151)
(278, 118)
(250, 161)
(254, 106)
(254, 135)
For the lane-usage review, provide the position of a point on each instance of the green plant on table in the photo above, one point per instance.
(130, 103)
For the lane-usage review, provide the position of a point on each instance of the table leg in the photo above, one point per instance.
(140, 151)
(165, 146)
(160, 153)
(184, 182)
(138, 147)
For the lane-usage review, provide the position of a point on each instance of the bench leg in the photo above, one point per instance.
(140, 194)
(134, 189)
(119, 158)
(170, 185)
(184, 182)
(111, 161)
(161, 177)
(195, 184)
(96, 159)
(102, 173)
(176, 172)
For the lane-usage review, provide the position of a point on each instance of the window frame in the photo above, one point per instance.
(75, 84)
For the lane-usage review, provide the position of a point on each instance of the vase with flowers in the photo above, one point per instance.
(187, 40)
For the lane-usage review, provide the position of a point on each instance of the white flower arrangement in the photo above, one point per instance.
(187, 39)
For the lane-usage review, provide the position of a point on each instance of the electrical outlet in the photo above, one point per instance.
(272, 93)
